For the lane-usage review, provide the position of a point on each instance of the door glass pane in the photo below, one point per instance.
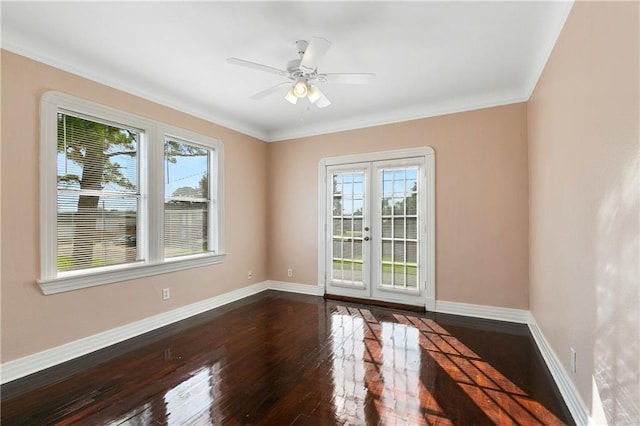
(387, 256)
(336, 271)
(411, 204)
(337, 226)
(412, 277)
(387, 206)
(398, 252)
(398, 206)
(399, 228)
(346, 272)
(412, 252)
(386, 228)
(357, 207)
(357, 250)
(398, 275)
(357, 271)
(347, 250)
(347, 222)
(412, 228)
(386, 277)
(337, 205)
(346, 227)
(337, 249)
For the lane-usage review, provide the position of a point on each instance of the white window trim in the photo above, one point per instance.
(152, 200)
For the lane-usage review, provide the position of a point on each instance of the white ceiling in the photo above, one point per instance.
(430, 58)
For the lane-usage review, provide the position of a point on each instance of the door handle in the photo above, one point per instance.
(366, 238)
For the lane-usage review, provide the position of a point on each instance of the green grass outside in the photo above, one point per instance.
(412, 269)
(64, 263)
(399, 269)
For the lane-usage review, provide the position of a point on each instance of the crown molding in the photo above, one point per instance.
(544, 56)
(122, 85)
(392, 116)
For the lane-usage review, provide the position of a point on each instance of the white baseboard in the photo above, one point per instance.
(21, 367)
(312, 290)
(568, 391)
(482, 311)
(16, 369)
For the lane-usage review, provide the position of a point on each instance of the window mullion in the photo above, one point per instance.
(155, 196)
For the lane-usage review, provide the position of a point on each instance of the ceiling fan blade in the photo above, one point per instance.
(270, 91)
(316, 49)
(354, 78)
(259, 67)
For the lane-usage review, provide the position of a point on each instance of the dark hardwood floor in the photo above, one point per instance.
(280, 359)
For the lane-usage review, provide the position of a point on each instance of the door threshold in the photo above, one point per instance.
(374, 302)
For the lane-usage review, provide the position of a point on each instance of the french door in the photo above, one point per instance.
(376, 239)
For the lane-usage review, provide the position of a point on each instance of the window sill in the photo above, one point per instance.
(76, 282)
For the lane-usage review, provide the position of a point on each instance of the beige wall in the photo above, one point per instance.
(32, 322)
(481, 200)
(585, 193)
(271, 191)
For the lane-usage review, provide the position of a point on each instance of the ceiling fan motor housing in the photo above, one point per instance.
(294, 68)
(302, 46)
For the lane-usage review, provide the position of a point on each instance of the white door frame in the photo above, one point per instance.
(429, 222)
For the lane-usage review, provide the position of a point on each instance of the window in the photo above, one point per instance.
(186, 206)
(98, 196)
(109, 181)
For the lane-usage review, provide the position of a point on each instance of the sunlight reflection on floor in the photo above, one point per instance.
(499, 398)
(377, 374)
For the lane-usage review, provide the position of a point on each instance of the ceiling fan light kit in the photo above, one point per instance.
(314, 94)
(304, 71)
(291, 96)
(300, 88)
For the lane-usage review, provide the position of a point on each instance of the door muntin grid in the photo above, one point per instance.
(399, 225)
(347, 222)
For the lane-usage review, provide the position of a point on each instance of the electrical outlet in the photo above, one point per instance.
(573, 360)
(166, 294)
(249, 274)
(289, 272)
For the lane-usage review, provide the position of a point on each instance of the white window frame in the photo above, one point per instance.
(151, 186)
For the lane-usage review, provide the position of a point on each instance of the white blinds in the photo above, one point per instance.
(97, 193)
(187, 199)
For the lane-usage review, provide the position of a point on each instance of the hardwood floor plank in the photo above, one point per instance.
(287, 359)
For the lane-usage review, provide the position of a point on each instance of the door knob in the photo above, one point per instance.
(366, 228)
(366, 238)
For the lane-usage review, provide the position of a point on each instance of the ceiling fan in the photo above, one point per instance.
(303, 74)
